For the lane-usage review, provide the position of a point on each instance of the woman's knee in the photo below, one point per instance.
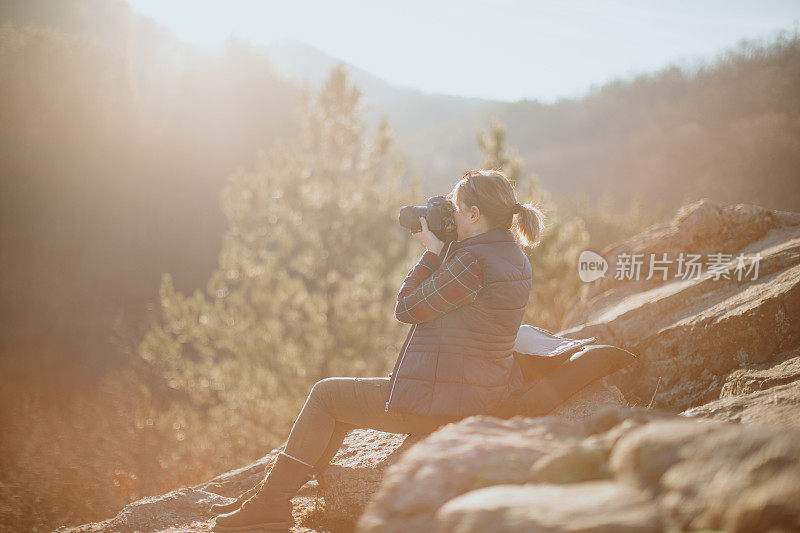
(324, 389)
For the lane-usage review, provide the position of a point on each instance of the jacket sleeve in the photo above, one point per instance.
(428, 292)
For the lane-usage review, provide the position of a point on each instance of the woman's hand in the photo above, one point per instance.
(430, 240)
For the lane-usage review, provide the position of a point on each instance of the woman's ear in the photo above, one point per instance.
(474, 214)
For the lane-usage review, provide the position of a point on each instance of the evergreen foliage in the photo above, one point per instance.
(306, 284)
(554, 261)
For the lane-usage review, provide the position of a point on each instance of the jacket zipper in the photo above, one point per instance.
(402, 356)
(405, 348)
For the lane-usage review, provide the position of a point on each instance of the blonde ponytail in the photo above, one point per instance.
(528, 225)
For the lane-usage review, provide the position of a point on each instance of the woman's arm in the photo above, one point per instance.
(429, 292)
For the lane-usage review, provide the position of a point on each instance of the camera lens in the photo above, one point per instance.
(409, 217)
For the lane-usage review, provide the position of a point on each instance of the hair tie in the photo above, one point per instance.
(517, 208)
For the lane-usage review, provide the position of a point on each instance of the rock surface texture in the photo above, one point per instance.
(717, 449)
(691, 333)
(623, 470)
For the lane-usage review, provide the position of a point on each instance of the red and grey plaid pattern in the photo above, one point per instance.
(430, 291)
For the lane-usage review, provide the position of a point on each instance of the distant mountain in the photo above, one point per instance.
(667, 138)
(423, 122)
(306, 64)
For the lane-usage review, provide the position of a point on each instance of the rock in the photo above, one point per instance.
(665, 472)
(610, 420)
(187, 509)
(714, 475)
(777, 406)
(644, 454)
(234, 482)
(592, 507)
(745, 381)
(691, 334)
(587, 402)
(346, 486)
(704, 226)
(356, 472)
(771, 506)
(180, 510)
(588, 460)
(584, 462)
(476, 452)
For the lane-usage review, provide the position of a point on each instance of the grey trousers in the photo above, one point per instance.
(337, 405)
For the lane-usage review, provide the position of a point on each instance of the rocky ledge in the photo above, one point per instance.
(717, 449)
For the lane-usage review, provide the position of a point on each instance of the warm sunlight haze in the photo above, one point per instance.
(368, 266)
(500, 49)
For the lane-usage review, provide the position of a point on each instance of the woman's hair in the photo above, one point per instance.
(494, 195)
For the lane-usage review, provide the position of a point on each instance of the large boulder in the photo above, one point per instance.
(747, 380)
(650, 471)
(761, 394)
(356, 472)
(691, 333)
(715, 475)
(477, 452)
(774, 406)
(589, 507)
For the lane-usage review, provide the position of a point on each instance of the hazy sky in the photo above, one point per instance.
(503, 49)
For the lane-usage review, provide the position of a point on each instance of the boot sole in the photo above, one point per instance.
(269, 526)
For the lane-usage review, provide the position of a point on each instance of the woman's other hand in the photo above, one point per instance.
(430, 240)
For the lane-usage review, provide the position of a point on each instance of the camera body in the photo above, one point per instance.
(438, 214)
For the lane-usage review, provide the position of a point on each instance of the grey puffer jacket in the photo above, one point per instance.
(462, 363)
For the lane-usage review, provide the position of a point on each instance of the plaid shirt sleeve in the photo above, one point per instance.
(430, 290)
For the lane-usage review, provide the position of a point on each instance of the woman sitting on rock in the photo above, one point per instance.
(466, 300)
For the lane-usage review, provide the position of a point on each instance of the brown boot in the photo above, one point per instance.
(219, 509)
(271, 506)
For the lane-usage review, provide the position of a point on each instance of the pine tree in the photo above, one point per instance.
(554, 261)
(305, 289)
(496, 153)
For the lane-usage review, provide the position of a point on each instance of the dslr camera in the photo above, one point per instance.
(438, 214)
